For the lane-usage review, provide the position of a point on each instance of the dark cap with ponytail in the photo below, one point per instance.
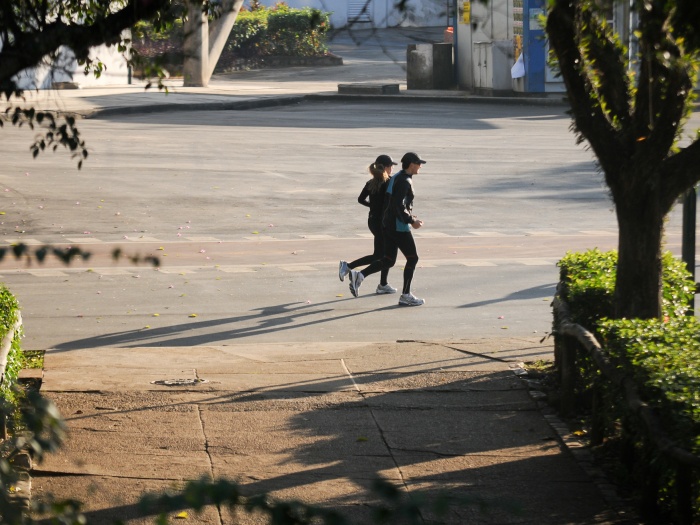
(385, 160)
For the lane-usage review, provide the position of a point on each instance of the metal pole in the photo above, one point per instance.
(688, 247)
(455, 41)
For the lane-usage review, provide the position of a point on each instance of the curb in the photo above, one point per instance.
(206, 106)
(273, 101)
(623, 513)
(459, 97)
(21, 491)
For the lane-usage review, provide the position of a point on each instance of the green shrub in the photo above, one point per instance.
(663, 357)
(279, 31)
(297, 32)
(9, 314)
(249, 34)
(588, 285)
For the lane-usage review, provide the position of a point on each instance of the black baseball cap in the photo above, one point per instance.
(412, 158)
(385, 160)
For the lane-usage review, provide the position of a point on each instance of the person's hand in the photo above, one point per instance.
(417, 223)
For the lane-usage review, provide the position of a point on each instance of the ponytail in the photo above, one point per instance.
(379, 177)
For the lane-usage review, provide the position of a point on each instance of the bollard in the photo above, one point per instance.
(688, 247)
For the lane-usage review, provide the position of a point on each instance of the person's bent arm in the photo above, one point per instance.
(364, 196)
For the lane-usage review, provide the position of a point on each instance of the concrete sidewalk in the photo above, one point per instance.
(316, 422)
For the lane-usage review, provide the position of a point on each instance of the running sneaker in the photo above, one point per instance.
(408, 299)
(385, 288)
(343, 270)
(356, 279)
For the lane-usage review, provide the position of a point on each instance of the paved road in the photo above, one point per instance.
(251, 210)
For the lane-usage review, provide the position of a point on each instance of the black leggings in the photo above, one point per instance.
(375, 226)
(393, 242)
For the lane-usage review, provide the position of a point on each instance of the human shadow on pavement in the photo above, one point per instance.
(535, 292)
(268, 319)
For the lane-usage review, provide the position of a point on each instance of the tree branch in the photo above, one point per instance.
(665, 87)
(590, 122)
(28, 48)
(605, 54)
(679, 173)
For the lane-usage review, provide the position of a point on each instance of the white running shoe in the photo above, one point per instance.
(385, 288)
(408, 299)
(356, 279)
(343, 270)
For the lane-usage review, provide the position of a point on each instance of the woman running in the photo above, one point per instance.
(372, 196)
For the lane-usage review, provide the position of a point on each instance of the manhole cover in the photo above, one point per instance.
(178, 382)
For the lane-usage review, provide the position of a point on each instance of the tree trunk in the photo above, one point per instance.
(196, 66)
(639, 266)
(219, 31)
(204, 42)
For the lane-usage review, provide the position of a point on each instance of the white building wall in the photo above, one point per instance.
(485, 45)
(65, 69)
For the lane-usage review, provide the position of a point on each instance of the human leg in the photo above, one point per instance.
(407, 245)
(376, 228)
(387, 261)
(379, 250)
(383, 287)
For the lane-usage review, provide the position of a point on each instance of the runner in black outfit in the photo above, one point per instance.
(397, 224)
(372, 196)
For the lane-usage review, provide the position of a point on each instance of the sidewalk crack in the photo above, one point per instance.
(381, 435)
(208, 452)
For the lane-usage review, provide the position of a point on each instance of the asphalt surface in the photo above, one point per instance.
(313, 419)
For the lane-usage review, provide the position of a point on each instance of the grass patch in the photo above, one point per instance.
(32, 359)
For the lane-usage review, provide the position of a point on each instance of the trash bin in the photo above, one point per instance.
(429, 66)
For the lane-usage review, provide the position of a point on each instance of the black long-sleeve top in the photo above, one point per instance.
(373, 200)
(400, 203)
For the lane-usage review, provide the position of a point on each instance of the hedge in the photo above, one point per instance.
(587, 284)
(662, 357)
(279, 31)
(9, 321)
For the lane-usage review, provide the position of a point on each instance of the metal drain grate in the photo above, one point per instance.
(178, 382)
